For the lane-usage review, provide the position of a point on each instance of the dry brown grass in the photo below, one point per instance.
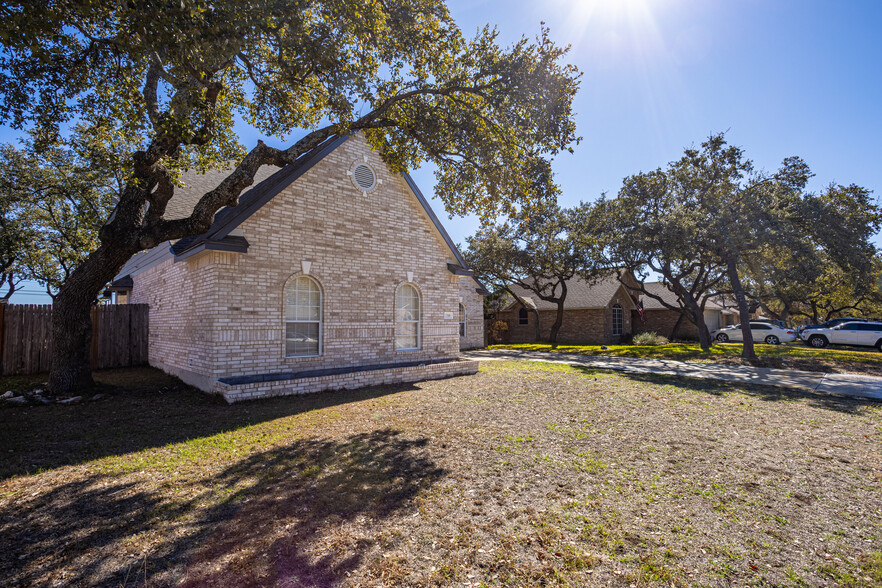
(523, 475)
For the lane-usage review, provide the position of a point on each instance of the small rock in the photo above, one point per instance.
(42, 399)
(17, 400)
(73, 400)
(8, 394)
(99, 397)
(38, 392)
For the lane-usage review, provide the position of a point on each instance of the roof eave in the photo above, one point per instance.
(231, 244)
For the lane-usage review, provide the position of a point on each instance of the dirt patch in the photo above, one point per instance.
(525, 474)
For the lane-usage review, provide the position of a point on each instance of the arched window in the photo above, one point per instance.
(617, 320)
(407, 318)
(303, 317)
(462, 320)
(523, 316)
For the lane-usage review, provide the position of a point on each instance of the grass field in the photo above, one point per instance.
(525, 474)
(790, 355)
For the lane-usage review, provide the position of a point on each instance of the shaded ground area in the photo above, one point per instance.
(525, 474)
(794, 356)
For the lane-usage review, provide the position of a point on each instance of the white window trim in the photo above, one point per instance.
(621, 321)
(321, 338)
(463, 321)
(419, 321)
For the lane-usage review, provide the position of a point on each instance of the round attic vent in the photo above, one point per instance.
(364, 177)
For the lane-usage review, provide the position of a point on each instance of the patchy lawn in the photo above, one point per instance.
(525, 474)
(798, 356)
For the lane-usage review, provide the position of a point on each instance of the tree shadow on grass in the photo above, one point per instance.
(144, 408)
(264, 521)
(762, 392)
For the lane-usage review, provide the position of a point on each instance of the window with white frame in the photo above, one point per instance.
(523, 317)
(303, 318)
(462, 320)
(407, 318)
(617, 320)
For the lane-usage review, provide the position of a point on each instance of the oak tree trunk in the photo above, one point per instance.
(698, 319)
(747, 352)
(538, 330)
(72, 321)
(558, 321)
(676, 328)
(697, 313)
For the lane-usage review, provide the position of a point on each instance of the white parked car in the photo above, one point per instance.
(863, 334)
(762, 333)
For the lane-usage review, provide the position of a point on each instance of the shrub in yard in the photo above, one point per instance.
(497, 331)
(648, 338)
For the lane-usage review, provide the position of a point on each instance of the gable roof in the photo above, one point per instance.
(269, 182)
(666, 294)
(581, 294)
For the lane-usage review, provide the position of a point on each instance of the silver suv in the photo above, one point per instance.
(863, 334)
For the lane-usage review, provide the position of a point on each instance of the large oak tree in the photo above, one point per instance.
(539, 249)
(711, 209)
(172, 76)
(644, 231)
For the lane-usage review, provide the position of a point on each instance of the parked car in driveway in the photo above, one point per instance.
(828, 325)
(762, 333)
(776, 322)
(862, 334)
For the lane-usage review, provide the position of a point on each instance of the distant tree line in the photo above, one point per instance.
(708, 225)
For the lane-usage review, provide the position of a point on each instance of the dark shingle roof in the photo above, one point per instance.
(659, 289)
(197, 184)
(580, 294)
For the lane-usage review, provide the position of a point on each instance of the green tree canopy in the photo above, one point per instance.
(172, 77)
(64, 194)
(539, 250)
(711, 215)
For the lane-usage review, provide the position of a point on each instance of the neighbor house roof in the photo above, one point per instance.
(666, 294)
(269, 181)
(580, 294)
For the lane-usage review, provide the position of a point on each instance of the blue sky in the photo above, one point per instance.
(781, 78)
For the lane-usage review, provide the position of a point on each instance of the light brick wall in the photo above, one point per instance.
(221, 314)
(183, 300)
(474, 305)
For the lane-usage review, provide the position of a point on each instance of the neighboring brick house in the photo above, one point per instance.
(471, 314)
(330, 273)
(672, 324)
(594, 313)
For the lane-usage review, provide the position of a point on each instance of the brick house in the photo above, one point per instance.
(330, 273)
(594, 313)
(672, 324)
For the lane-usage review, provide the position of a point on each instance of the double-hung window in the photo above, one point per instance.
(303, 318)
(617, 320)
(407, 318)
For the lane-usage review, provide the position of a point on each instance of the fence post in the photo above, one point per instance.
(93, 351)
(2, 333)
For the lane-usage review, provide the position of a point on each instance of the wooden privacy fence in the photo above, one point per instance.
(119, 337)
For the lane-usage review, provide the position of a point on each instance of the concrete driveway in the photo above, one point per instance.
(851, 385)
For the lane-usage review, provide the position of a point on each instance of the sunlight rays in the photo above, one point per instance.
(609, 35)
